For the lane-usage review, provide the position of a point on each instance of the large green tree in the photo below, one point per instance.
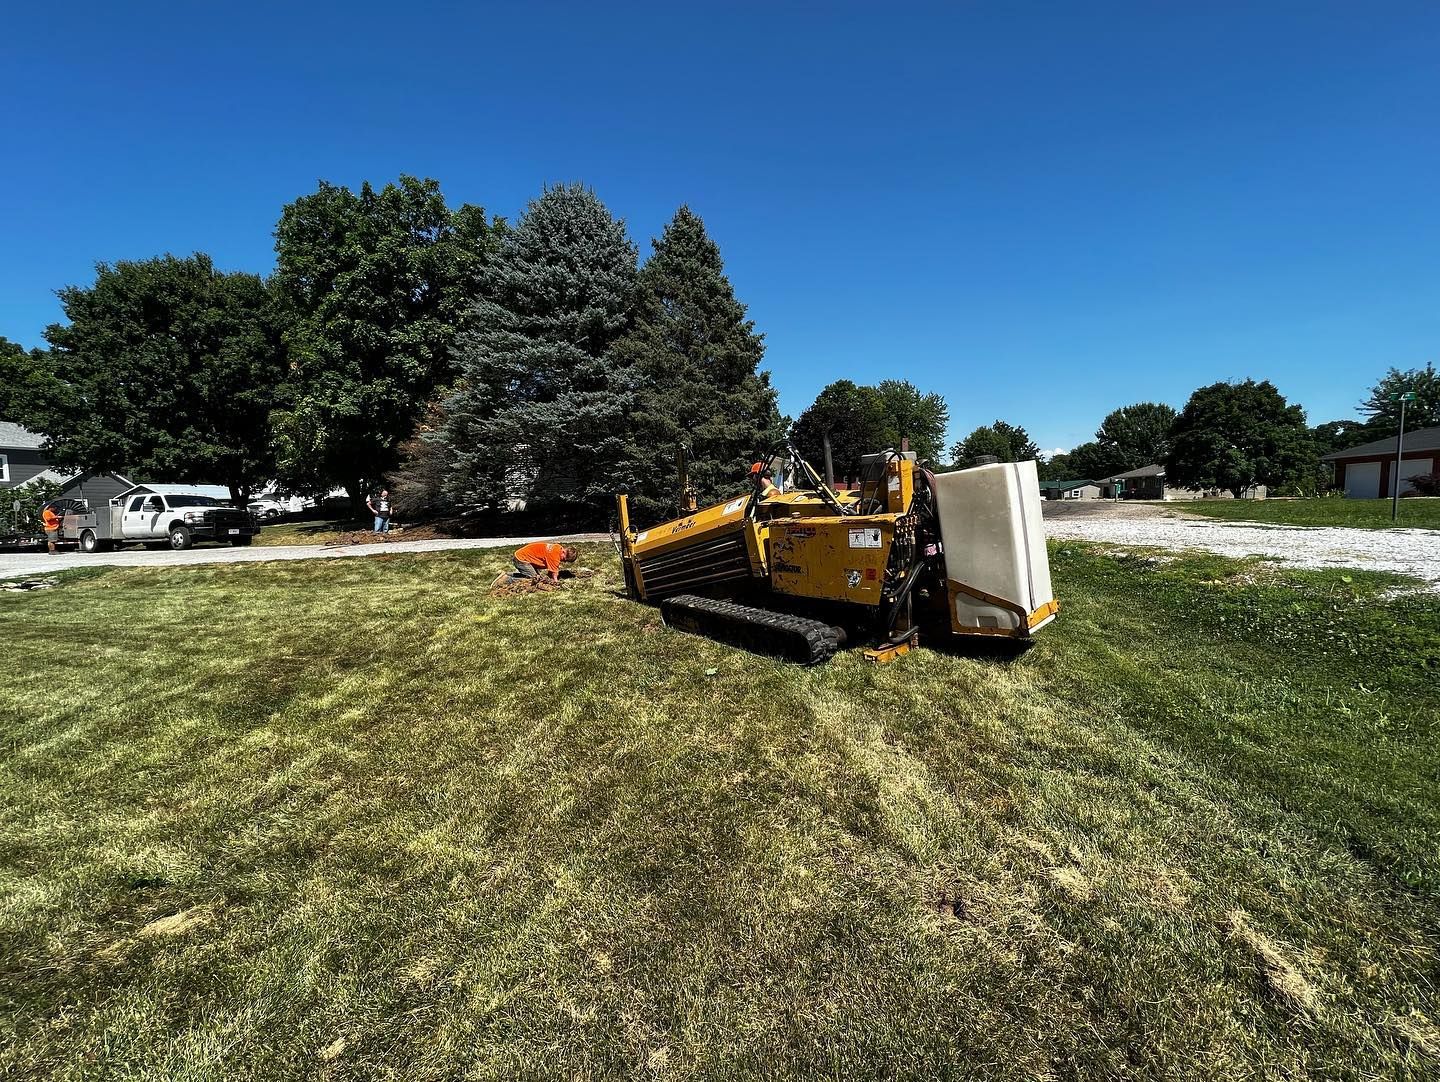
(1135, 436)
(374, 286)
(1007, 442)
(1094, 461)
(31, 394)
(171, 368)
(857, 422)
(1234, 435)
(541, 412)
(694, 358)
(1382, 416)
(862, 420)
(917, 416)
(1339, 435)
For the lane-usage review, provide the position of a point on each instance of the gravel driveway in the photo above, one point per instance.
(17, 564)
(1408, 552)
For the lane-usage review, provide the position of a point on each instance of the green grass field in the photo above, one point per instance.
(355, 819)
(1413, 513)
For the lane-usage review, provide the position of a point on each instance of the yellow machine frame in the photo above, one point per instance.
(796, 544)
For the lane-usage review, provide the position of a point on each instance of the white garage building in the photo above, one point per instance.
(1367, 472)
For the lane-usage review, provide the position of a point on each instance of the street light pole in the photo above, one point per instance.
(1408, 396)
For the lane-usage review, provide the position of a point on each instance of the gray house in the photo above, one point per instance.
(20, 457)
(96, 488)
(1149, 483)
(1146, 483)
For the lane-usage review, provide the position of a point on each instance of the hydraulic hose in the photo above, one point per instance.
(901, 596)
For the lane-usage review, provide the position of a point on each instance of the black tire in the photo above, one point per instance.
(88, 541)
(180, 538)
(240, 542)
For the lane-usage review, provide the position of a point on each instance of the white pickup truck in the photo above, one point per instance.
(178, 519)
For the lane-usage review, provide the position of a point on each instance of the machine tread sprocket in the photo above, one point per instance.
(778, 634)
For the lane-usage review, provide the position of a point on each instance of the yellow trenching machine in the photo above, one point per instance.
(797, 573)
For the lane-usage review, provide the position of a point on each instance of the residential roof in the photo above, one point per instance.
(1066, 486)
(99, 473)
(215, 492)
(14, 437)
(1131, 475)
(1422, 439)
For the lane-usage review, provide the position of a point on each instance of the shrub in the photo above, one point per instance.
(1425, 484)
(31, 496)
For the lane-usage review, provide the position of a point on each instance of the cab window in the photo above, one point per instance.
(154, 503)
(137, 503)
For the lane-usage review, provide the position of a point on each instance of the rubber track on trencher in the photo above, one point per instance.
(761, 631)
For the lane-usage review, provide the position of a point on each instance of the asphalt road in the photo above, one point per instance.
(32, 564)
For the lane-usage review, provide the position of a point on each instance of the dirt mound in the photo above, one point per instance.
(505, 586)
(508, 585)
(368, 537)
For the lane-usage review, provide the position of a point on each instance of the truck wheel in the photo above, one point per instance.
(88, 541)
(180, 538)
(238, 542)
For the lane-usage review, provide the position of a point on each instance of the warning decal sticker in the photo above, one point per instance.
(867, 537)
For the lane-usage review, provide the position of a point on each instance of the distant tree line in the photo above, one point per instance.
(1228, 436)
(473, 362)
(477, 365)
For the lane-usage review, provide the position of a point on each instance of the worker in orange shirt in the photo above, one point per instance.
(51, 522)
(541, 558)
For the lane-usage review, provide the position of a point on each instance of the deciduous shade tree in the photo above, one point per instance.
(542, 409)
(1093, 461)
(374, 285)
(1382, 416)
(1135, 436)
(418, 483)
(1339, 435)
(172, 367)
(31, 394)
(857, 422)
(695, 360)
(1234, 435)
(1007, 442)
(916, 416)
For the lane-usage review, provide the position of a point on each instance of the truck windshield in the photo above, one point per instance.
(188, 499)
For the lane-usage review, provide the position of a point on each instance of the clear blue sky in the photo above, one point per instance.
(1041, 211)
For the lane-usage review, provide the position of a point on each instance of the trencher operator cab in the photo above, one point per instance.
(908, 555)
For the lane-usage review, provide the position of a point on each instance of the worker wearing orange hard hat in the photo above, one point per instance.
(760, 474)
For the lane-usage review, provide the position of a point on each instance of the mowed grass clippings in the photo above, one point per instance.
(357, 819)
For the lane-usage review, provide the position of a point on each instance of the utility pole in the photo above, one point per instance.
(1408, 396)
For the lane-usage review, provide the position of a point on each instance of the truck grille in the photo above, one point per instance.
(225, 518)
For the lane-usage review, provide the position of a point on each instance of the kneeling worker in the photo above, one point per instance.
(543, 556)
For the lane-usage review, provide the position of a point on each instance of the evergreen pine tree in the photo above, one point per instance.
(695, 359)
(540, 409)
